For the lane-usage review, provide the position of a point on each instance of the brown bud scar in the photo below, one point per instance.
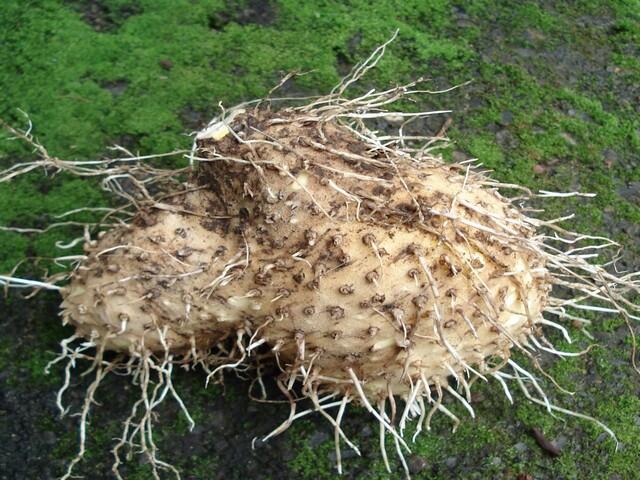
(372, 276)
(420, 301)
(346, 289)
(336, 312)
(369, 239)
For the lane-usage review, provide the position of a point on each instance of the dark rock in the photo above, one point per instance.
(166, 64)
(561, 441)
(252, 12)
(451, 462)
(49, 438)
(477, 397)
(630, 192)
(217, 420)
(521, 447)
(506, 139)
(493, 127)
(116, 87)
(104, 17)
(366, 431)
(459, 156)
(539, 169)
(345, 453)
(610, 157)
(318, 438)
(194, 119)
(416, 464)
(506, 118)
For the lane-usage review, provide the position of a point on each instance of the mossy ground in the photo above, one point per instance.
(554, 104)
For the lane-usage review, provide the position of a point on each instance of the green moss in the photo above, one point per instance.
(312, 462)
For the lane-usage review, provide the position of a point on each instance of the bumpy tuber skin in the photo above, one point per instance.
(156, 284)
(398, 270)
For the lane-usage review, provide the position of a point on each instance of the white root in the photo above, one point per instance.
(13, 282)
(461, 399)
(383, 448)
(505, 387)
(403, 461)
(240, 334)
(336, 433)
(410, 401)
(335, 424)
(89, 399)
(368, 406)
(544, 403)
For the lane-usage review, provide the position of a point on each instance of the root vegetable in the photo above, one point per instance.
(151, 285)
(403, 271)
